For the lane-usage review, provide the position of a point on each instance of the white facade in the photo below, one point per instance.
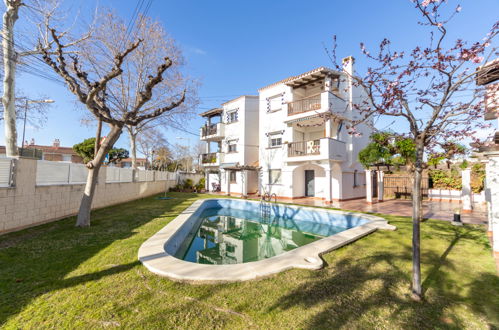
(295, 134)
(316, 156)
(231, 158)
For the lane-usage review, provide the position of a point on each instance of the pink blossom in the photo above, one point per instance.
(477, 59)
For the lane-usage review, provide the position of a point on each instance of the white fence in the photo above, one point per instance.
(116, 174)
(50, 173)
(6, 165)
(53, 173)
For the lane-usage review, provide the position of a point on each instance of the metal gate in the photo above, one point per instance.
(400, 187)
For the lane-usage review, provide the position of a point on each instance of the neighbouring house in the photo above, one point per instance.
(52, 153)
(305, 148)
(231, 136)
(142, 163)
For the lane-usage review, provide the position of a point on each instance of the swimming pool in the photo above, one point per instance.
(220, 240)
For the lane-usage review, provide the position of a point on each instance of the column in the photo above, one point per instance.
(244, 188)
(227, 182)
(466, 190)
(336, 182)
(381, 187)
(369, 187)
(328, 191)
(207, 181)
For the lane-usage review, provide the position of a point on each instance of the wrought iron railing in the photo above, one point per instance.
(304, 105)
(304, 148)
(209, 130)
(209, 158)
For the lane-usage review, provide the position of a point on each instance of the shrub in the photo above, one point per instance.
(201, 184)
(188, 184)
(445, 179)
(477, 177)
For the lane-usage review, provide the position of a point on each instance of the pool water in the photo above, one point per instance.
(229, 236)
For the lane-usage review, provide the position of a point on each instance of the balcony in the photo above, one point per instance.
(320, 149)
(211, 159)
(304, 105)
(313, 105)
(213, 132)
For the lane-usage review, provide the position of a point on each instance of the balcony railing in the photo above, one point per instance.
(210, 158)
(209, 130)
(304, 105)
(304, 148)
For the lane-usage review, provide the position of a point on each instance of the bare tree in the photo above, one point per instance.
(90, 85)
(149, 142)
(43, 13)
(124, 91)
(431, 89)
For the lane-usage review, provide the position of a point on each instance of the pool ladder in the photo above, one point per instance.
(266, 206)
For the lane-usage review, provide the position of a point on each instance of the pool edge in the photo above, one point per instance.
(153, 256)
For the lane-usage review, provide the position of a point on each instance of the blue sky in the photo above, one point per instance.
(235, 47)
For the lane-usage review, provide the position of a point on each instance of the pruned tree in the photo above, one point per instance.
(431, 88)
(125, 91)
(41, 13)
(90, 86)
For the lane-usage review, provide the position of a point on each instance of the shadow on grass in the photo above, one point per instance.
(39, 260)
(354, 288)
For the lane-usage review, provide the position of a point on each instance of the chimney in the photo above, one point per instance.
(32, 142)
(348, 63)
(57, 143)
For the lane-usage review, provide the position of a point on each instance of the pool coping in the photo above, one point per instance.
(153, 256)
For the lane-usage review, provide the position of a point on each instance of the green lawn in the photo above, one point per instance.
(59, 276)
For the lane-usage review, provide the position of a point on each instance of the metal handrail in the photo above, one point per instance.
(304, 148)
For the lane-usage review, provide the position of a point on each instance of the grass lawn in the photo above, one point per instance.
(59, 276)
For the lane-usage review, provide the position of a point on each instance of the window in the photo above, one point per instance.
(275, 140)
(274, 176)
(274, 103)
(232, 116)
(232, 147)
(232, 177)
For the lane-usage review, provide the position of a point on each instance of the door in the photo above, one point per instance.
(309, 183)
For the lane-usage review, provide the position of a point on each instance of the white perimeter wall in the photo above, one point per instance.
(28, 204)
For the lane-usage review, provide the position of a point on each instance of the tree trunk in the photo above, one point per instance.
(133, 147)
(98, 137)
(94, 166)
(416, 220)
(9, 63)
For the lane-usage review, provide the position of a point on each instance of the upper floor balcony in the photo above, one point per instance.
(212, 159)
(319, 149)
(311, 105)
(213, 132)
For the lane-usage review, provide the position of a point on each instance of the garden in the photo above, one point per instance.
(59, 276)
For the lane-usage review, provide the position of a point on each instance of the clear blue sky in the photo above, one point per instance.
(235, 47)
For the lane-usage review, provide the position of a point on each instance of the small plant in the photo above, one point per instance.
(464, 165)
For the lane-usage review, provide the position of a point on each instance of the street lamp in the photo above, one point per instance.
(26, 113)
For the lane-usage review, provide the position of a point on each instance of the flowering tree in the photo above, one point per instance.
(431, 88)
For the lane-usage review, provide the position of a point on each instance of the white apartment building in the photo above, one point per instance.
(231, 136)
(305, 148)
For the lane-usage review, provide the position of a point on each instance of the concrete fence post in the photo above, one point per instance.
(369, 186)
(381, 187)
(466, 190)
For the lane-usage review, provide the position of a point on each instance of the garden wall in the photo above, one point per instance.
(26, 203)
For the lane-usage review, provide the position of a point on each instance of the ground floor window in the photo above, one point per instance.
(274, 176)
(232, 177)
